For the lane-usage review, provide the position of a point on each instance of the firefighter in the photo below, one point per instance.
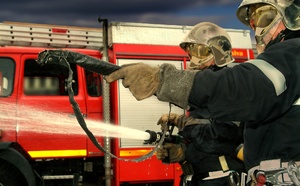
(263, 92)
(212, 144)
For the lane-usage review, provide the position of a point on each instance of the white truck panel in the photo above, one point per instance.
(159, 34)
(142, 115)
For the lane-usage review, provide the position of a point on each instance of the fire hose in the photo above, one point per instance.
(64, 58)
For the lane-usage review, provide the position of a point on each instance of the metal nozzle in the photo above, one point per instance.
(154, 137)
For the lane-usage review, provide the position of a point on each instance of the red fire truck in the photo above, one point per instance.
(35, 151)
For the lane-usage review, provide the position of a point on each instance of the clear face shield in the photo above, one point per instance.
(264, 20)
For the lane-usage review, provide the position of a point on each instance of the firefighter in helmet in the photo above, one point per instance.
(276, 24)
(207, 45)
(213, 142)
(263, 92)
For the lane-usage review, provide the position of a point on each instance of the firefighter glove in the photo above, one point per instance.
(174, 152)
(141, 79)
(172, 119)
(166, 82)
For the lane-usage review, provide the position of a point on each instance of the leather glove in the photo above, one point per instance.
(60, 57)
(166, 82)
(175, 152)
(141, 79)
(175, 119)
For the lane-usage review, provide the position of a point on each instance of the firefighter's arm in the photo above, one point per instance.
(216, 137)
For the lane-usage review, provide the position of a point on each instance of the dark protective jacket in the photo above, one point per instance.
(209, 140)
(261, 92)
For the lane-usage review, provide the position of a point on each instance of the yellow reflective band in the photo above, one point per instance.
(57, 153)
(134, 152)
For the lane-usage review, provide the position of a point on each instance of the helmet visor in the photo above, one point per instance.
(262, 16)
(198, 50)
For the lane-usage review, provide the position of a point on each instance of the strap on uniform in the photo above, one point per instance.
(276, 172)
(223, 163)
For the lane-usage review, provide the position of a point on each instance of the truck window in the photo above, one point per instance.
(93, 83)
(47, 80)
(7, 71)
(41, 86)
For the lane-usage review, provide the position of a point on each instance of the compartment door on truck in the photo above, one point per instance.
(142, 115)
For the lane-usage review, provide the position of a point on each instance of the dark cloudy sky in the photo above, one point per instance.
(86, 12)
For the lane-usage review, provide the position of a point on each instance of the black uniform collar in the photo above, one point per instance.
(285, 34)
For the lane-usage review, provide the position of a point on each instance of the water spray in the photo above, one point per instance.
(33, 120)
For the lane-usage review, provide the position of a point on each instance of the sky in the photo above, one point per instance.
(86, 12)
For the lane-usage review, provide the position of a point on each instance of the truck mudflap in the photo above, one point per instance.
(19, 161)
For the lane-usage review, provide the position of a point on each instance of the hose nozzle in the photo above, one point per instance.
(154, 137)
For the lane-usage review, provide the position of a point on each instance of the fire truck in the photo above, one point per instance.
(31, 155)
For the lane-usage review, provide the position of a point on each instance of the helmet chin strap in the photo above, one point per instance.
(277, 39)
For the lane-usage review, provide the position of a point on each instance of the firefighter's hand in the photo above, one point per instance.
(173, 119)
(141, 79)
(174, 152)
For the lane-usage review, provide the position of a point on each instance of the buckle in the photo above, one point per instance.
(277, 176)
(294, 172)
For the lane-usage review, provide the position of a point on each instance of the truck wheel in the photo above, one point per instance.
(10, 175)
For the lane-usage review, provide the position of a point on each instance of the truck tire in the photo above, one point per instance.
(10, 175)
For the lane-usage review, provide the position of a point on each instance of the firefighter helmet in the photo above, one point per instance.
(289, 10)
(207, 41)
(265, 18)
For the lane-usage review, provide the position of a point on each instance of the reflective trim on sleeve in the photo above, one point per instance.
(297, 102)
(272, 73)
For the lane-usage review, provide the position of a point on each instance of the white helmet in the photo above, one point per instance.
(207, 41)
(288, 9)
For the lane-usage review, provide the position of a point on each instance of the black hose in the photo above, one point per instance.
(83, 125)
